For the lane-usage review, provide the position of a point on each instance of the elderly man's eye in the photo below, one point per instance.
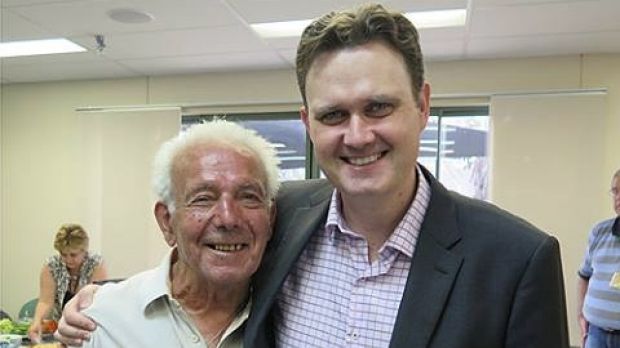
(251, 199)
(202, 201)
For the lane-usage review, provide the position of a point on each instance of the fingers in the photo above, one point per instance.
(34, 336)
(70, 335)
(74, 327)
(85, 296)
(68, 341)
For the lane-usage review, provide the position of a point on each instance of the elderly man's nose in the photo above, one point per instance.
(227, 213)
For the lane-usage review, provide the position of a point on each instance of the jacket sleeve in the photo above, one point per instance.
(538, 315)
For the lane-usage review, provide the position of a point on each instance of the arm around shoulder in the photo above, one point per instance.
(74, 328)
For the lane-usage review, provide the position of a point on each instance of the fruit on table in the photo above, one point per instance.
(49, 326)
(6, 326)
(9, 327)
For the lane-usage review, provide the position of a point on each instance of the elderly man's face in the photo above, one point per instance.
(222, 222)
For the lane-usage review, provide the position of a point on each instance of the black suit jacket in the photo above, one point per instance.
(480, 277)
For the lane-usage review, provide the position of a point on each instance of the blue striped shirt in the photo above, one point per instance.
(334, 297)
(602, 302)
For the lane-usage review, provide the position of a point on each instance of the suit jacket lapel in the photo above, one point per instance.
(296, 230)
(433, 271)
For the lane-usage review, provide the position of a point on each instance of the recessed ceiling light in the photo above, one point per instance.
(129, 16)
(426, 19)
(37, 47)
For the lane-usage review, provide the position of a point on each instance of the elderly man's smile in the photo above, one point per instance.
(227, 247)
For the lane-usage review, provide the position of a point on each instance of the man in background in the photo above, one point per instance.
(598, 284)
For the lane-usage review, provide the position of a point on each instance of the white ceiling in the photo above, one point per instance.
(194, 36)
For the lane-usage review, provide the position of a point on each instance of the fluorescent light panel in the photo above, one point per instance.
(37, 47)
(438, 19)
(281, 29)
(425, 19)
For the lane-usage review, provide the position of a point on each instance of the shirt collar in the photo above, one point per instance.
(405, 235)
(158, 286)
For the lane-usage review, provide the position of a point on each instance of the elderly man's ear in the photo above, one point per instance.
(163, 216)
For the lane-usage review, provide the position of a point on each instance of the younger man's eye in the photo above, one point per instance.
(332, 117)
(379, 109)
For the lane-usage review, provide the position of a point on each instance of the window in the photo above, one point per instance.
(284, 130)
(453, 146)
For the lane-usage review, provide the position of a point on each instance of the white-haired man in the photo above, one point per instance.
(216, 185)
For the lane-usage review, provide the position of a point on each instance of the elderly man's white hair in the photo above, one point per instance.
(214, 132)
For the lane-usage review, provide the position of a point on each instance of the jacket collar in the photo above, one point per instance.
(433, 271)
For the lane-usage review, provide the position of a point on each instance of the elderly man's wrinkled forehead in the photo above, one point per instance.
(187, 155)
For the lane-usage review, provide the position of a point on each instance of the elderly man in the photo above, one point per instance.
(387, 256)
(216, 183)
(598, 284)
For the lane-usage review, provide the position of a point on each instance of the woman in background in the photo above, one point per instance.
(64, 274)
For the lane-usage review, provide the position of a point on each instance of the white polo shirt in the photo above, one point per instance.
(140, 312)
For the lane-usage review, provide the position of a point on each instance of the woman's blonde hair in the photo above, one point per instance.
(71, 236)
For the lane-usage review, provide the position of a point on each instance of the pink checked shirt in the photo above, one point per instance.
(333, 297)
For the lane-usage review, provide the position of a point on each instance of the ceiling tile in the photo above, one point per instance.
(555, 17)
(78, 57)
(213, 35)
(15, 27)
(18, 3)
(208, 63)
(483, 3)
(259, 11)
(444, 50)
(179, 42)
(289, 55)
(84, 17)
(101, 69)
(559, 44)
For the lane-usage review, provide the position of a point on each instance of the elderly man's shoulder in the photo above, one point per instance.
(133, 313)
(132, 292)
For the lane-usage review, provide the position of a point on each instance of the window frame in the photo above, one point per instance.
(312, 169)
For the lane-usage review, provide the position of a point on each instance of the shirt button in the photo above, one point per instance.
(351, 336)
(195, 339)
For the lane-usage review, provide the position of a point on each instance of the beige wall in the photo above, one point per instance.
(587, 202)
(39, 127)
(116, 196)
(41, 172)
